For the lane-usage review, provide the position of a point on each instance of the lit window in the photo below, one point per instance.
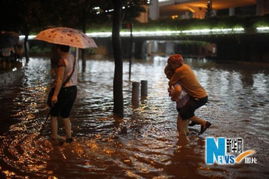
(174, 17)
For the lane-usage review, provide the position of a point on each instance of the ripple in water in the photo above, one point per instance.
(145, 143)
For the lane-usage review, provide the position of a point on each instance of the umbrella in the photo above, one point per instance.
(8, 39)
(66, 36)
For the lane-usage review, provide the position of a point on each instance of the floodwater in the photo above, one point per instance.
(145, 144)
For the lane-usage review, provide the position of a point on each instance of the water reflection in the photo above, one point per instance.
(145, 143)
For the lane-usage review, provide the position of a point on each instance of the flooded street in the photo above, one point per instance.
(145, 143)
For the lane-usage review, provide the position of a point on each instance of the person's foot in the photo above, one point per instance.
(59, 140)
(57, 137)
(193, 123)
(203, 128)
(69, 140)
(183, 139)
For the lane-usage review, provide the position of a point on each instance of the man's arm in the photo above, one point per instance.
(175, 92)
(59, 83)
(175, 78)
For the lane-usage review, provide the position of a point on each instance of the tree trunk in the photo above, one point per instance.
(131, 51)
(116, 42)
(26, 47)
(82, 50)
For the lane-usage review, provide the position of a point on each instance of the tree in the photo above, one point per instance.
(117, 82)
(118, 12)
(209, 9)
(30, 17)
(118, 15)
(21, 16)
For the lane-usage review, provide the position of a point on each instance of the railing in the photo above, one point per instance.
(191, 27)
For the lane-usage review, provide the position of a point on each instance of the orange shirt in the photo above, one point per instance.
(189, 82)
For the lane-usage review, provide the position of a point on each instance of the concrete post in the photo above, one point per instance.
(154, 46)
(154, 11)
(169, 48)
(231, 11)
(149, 48)
(135, 94)
(144, 89)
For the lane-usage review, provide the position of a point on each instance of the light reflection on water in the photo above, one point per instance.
(145, 143)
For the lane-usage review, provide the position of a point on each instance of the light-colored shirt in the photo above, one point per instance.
(67, 61)
(181, 98)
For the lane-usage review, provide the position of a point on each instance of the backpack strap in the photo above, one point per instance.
(69, 77)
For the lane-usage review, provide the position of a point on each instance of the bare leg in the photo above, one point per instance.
(204, 124)
(186, 127)
(182, 125)
(178, 123)
(54, 127)
(198, 120)
(67, 127)
(182, 129)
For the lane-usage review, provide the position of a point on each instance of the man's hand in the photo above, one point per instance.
(54, 100)
(175, 92)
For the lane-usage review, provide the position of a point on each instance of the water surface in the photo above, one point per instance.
(145, 143)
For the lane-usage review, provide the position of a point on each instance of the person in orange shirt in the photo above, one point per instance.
(184, 76)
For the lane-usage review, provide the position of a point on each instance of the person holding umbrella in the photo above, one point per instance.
(64, 90)
(64, 72)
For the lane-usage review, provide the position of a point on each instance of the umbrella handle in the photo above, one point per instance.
(77, 54)
(43, 125)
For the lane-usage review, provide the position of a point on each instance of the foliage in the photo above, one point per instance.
(95, 15)
(20, 15)
(214, 22)
(189, 24)
(30, 16)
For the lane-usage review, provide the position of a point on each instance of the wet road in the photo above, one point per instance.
(238, 107)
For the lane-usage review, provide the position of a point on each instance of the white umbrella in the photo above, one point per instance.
(66, 36)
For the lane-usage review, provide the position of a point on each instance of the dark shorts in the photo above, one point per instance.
(187, 111)
(66, 99)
